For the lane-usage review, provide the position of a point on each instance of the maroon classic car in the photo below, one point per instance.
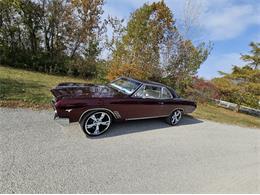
(96, 106)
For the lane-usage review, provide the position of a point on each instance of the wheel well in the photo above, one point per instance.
(181, 109)
(96, 110)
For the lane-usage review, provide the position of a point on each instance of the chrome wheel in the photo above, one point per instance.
(176, 117)
(97, 123)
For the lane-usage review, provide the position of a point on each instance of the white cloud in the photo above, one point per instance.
(219, 62)
(220, 19)
(229, 20)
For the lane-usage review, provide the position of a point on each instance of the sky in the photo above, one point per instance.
(229, 24)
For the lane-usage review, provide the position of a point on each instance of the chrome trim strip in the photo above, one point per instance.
(117, 114)
(129, 119)
(98, 109)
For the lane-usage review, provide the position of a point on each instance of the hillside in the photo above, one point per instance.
(21, 88)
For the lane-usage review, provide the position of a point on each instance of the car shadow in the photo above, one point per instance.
(128, 127)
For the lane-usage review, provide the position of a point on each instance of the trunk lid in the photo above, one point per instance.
(78, 90)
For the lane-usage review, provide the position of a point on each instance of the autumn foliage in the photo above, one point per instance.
(52, 36)
(202, 90)
(126, 70)
(151, 48)
(242, 86)
(137, 52)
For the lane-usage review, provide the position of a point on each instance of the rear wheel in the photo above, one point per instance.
(96, 123)
(174, 118)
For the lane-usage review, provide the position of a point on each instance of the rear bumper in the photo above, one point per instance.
(54, 108)
(55, 115)
(61, 113)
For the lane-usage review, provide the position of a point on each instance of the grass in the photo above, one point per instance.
(21, 88)
(222, 115)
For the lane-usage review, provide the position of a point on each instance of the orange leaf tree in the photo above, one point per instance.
(137, 54)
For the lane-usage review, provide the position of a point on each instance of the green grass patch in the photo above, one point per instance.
(21, 88)
(218, 114)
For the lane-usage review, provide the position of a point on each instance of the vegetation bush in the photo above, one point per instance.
(202, 90)
(242, 86)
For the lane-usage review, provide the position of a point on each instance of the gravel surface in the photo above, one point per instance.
(40, 155)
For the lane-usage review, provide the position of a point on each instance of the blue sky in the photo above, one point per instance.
(229, 24)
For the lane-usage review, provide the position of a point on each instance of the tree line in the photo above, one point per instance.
(51, 36)
(241, 86)
(71, 37)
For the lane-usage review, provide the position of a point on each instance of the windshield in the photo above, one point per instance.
(125, 85)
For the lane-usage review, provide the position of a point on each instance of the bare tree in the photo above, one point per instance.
(117, 28)
(191, 18)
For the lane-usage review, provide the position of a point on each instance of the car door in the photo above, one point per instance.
(146, 103)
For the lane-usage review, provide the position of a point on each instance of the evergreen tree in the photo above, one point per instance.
(254, 58)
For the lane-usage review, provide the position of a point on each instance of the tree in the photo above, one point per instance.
(242, 86)
(118, 29)
(10, 32)
(183, 63)
(151, 47)
(254, 59)
(137, 54)
(31, 16)
(55, 36)
(84, 42)
(190, 18)
(54, 23)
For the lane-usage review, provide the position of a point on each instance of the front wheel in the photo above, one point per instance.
(96, 123)
(174, 118)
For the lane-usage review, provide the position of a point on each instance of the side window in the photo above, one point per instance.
(152, 92)
(166, 94)
(148, 91)
(140, 92)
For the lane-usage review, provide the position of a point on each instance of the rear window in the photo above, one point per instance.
(166, 94)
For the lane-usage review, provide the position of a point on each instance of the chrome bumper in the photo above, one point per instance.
(55, 111)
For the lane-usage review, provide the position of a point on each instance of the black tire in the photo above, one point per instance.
(96, 123)
(174, 118)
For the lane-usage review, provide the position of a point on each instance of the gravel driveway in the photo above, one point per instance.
(39, 155)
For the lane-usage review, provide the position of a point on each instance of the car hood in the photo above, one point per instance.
(84, 90)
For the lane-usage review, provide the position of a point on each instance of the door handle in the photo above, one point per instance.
(161, 103)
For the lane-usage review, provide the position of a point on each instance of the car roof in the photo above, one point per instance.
(145, 82)
(152, 83)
